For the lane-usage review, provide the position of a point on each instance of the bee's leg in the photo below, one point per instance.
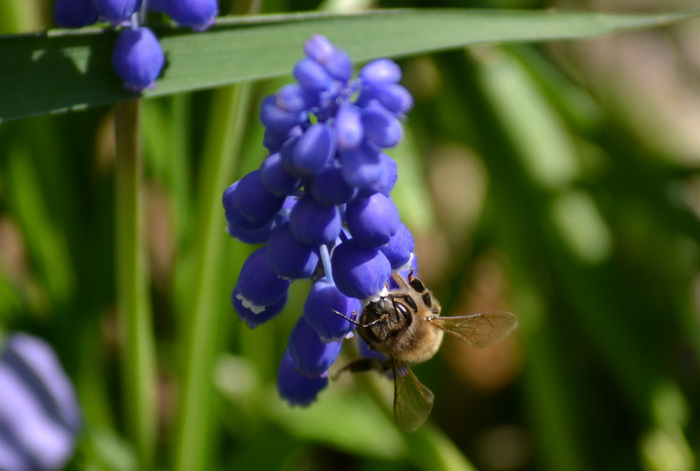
(365, 364)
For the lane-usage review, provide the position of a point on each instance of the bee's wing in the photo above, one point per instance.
(478, 330)
(413, 401)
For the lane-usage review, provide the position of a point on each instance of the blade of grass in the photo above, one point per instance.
(64, 70)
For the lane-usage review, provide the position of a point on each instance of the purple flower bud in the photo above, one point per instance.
(313, 223)
(295, 388)
(380, 71)
(137, 58)
(312, 76)
(234, 217)
(258, 284)
(386, 181)
(373, 220)
(275, 118)
(254, 200)
(254, 236)
(359, 272)
(348, 127)
(394, 97)
(311, 356)
(275, 178)
(323, 299)
(400, 247)
(117, 11)
(311, 152)
(39, 413)
(328, 187)
(293, 98)
(318, 48)
(290, 258)
(254, 319)
(381, 127)
(273, 140)
(199, 14)
(74, 13)
(361, 166)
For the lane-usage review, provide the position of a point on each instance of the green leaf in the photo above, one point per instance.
(64, 70)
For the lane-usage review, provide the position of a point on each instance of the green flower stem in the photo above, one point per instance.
(132, 299)
(225, 131)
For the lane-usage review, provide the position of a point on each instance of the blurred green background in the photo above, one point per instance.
(558, 181)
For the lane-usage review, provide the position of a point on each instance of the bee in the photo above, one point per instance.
(405, 326)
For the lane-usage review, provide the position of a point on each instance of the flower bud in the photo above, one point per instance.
(361, 166)
(328, 187)
(323, 299)
(296, 388)
(275, 178)
(258, 284)
(293, 98)
(373, 220)
(348, 127)
(290, 258)
(117, 11)
(313, 223)
(381, 127)
(254, 200)
(199, 14)
(312, 76)
(311, 356)
(137, 58)
(380, 71)
(276, 119)
(359, 272)
(254, 319)
(311, 152)
(400, 247)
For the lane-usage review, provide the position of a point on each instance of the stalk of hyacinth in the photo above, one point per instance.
(39, 413)
(321, 205)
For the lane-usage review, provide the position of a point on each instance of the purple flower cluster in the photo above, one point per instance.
(39, 413)
(137, 56)
(320, 203)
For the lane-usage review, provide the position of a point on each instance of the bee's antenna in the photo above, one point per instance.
(360, 324)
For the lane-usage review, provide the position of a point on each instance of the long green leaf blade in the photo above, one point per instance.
(63, 70)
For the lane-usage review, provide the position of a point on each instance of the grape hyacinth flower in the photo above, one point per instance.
(137, 56)
(321, 205)
(39, 413)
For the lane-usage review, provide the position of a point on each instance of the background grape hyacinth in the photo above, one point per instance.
(137, 56)
(321, 205)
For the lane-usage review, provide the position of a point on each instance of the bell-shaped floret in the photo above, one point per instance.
(328, 187)
(290, 258)
(253, 319)
(137, 58)
(400, 248)
(349, 130)
(310, 152)
(296, 388)
(278, 120)
(380, 71)
(372, 220)
(198, 14)
(293, 98)
(258, 284)
(359, 272)
(335, 61)
(312, 76)
(276, 178)
(381, 127)
(311, 356)
(322, 303)
(361, 166)
(74, 13)
(392, 96)
(314, 224)
(117, 11)
(254, 200)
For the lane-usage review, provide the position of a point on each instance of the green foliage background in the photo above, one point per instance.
(557, 180)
